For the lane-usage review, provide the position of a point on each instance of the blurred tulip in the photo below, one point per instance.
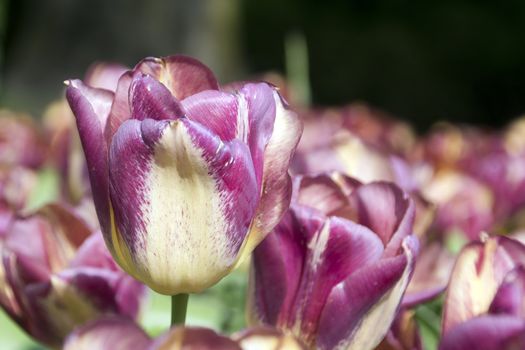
(484, 307)
(116, 333)
(21, 143)
(334, 271)
(56, 274)
(187, 179)
(464, 204)
(431, 274)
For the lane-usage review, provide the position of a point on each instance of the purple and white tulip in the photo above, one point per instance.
(485, 303)
(334, 271)
(187, 179)
(56, 274)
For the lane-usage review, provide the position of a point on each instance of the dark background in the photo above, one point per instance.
(422, 61)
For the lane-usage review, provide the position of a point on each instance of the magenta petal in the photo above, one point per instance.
(150, 99)
(216, 110)
(387, 211)
(360, 310)
(91, 108)
(182, 75)
(337, 250)
(108, 333)
(93, 253)
(485, 333)
(277, 266)
(510, 297)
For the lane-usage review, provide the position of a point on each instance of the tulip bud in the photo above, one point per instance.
(334, 271)
(56, 274)
(186, 179)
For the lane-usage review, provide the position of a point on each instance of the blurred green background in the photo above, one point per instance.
(422, 61)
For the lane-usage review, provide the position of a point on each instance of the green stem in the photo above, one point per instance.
(179, 305)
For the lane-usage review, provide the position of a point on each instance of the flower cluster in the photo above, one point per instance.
(359, 234)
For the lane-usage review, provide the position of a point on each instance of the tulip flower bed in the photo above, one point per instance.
(153, 208)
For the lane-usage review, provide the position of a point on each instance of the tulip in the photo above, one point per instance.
(333, 272)
(57, 274)
(485, 302)
(21, 143)
(186, 179)
(117, 333)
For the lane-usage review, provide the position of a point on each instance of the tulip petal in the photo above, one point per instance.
(91, 108)
(168, 177)
(109, 333)
(338, 249)
(180, 338)
(510, 297)
(266, 338)
(360, 310)
(479, 270)
(276, 182)
(387, 211)
(182, 75)
(484, 333)
(277, 266)
(150, 99)
(218, 111)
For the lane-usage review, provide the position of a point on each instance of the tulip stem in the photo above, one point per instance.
(179, 305)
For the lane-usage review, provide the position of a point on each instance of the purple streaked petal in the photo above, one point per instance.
(320, 192)
(387, 211)
(479, 264)
(360, 310)
(175, 185)
(216, 110)
(338, 249)
(277, 266)
(182, 75)
(149, 99)
(193, 338)
(91, 108)
(108, 333)
(276, 183)
(484, 333)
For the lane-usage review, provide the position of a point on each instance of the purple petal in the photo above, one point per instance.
(120, 109)
(180, 195)
(277, 266)
(149, 99)
(337, 250)
(360, 310)
(91, 108)
(322, 193)
(276, 184)
(484, 333)
(182, 75)
(108, 333)
(510, 297)
(479, 264)
(216, 110)
(193, 338)
(387, 211)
